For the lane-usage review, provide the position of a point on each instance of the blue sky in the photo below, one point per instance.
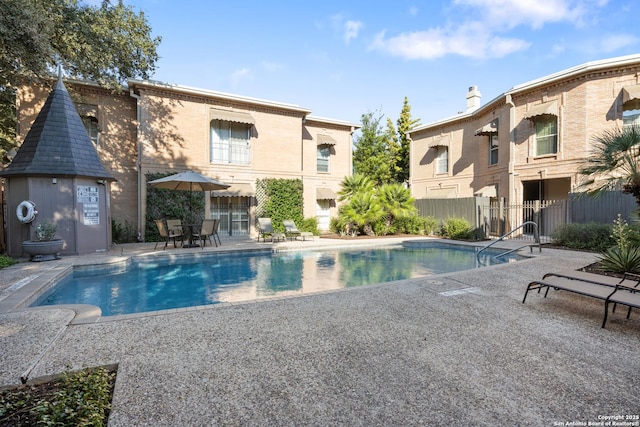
(341, 59)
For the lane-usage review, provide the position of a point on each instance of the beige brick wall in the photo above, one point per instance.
(588, 104)
(116, 147)
(174, 135)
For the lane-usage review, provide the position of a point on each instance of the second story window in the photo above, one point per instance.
(546, 134)
(91, 125)
(493, 149)
(230, 142)
(442, 159)
(324, 151)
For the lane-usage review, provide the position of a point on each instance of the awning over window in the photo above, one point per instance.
(487, 191)
(325, 194)
(631, 97)
(325, 140)
(546, 108)
(236, 190)
(489, 128)
(441, 193)
(231, 116)
(440, 141)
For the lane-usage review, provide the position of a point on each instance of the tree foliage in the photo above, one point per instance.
(405, 123)
(371, 156)
(383, 155)
(373, 210)
(614, 163)
(106, 44)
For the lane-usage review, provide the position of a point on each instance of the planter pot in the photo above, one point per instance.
(43, 251)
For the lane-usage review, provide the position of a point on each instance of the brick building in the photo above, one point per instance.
(157, 127)
(529, 142)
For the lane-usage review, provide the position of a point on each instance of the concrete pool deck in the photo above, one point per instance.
(452, 349)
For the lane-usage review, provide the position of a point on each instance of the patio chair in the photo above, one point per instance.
(216, 224)
(265, 228)
(292, 231)
(207, 229)
(168, 234)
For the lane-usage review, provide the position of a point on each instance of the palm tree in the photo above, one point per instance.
(352, 185)
(396, 201)
(362, 211)
(615, 162)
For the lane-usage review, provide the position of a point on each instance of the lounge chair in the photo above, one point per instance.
(625, 291)
(292, 231)
(265, 228)
(168, 234)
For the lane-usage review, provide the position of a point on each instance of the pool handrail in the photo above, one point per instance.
(536, 236)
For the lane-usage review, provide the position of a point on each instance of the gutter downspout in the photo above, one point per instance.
(409, 182)
(512, 149)
(138, 164)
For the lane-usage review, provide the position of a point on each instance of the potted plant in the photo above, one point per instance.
(44, 246)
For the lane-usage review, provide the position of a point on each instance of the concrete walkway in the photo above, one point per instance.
(455, 349)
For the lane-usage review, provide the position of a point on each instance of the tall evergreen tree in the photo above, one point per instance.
(371, 156)
(405, 123)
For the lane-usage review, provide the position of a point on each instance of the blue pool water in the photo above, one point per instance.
(152, 285)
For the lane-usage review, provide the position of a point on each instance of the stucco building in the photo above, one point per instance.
(529, 142)
(158, 127)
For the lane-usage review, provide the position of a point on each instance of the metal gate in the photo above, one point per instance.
(500, 219)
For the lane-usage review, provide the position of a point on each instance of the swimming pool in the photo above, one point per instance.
(151, 285)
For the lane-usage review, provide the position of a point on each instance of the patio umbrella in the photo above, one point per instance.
(189, 180)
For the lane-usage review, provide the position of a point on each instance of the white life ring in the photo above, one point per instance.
(26, 211)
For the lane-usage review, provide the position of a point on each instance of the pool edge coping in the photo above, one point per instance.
(87, 314)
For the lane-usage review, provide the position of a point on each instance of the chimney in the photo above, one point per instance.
(473, 98)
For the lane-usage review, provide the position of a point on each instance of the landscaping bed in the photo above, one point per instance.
(81, 398)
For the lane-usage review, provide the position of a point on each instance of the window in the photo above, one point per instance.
(91, 125)
(442, 159)
(546, 135)
(230, 142)
(323, 158)
(493, 149)
(631, 118)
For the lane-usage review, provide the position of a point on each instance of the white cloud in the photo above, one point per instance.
(484, 33)
(470, 41)
(533, 13)
(241, 75)
(351, 29)
(271, 66)
(613, 42)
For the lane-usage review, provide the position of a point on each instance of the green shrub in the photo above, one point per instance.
(6, 261)
(123, 232)
(592, 236)
(457, 228)
(415, 224)
(311, 225)
(621, 259)
(84, 399)
(279, 199)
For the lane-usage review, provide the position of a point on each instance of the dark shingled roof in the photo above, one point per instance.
(57, 144)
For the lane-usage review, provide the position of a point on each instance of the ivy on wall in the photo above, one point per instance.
(279, 199)
(170, 204)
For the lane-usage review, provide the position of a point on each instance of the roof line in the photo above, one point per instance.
(560, 75)
(216, 94)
